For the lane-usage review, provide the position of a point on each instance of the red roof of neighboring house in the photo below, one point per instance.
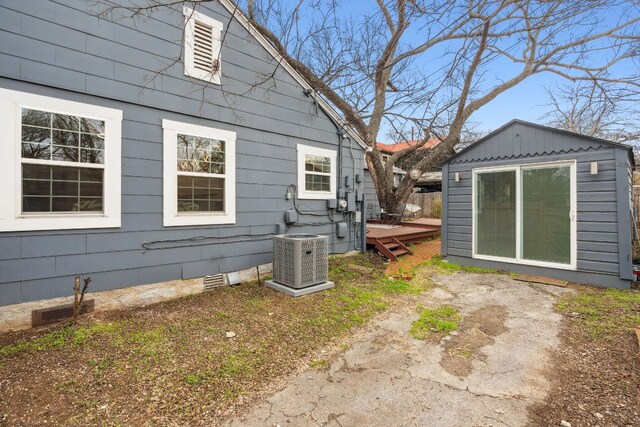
(392, 148)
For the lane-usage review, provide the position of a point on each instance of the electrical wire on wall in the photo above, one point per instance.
(204, 240)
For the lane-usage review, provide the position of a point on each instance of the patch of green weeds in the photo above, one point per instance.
(257, 302)
(11, 349)
(441, 266)
(319, 364)
(443, 319)
(212, 330)
(221, 315)
(101, 366)
(59, 338)
(230, 393)
(603, 312)
(196, 378)
(147, 343)
(402, 286)
(236, 365)
(342, 272)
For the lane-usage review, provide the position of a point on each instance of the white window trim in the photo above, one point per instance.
(190, 16)
(572, 212)
(303, 150)
(171, 129)
(11, 216)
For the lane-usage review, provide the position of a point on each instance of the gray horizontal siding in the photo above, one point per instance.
(598, 235)
(373, 205)
(62, 49)
(118, 59)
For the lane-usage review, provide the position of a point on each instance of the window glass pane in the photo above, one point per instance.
(36, 188)
(62, 121)
(36, 151)
(51, 136)
(315, 182)
(317, 164)
(91, 126)
(36, 172)
(64, 154)
(36, 118)
(61, 189)
(36, 204)
(546, 226)
(198, 154)
(200, 194)
(495, 225)
(65, 188)
(90, 204)
(65, 204)
(36, 134)
(91, 141)
(90, 189)
(92, 156)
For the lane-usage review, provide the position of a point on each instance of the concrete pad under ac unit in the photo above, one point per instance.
(300, 291)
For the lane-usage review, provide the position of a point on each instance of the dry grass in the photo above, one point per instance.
(172, 364)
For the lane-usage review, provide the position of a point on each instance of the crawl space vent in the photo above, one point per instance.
(214, 281)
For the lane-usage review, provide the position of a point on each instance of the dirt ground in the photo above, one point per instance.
(422, 252)
(596, 375)
(486, 372)
(173, 364)
(519, 354)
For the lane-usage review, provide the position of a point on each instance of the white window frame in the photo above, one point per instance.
(572, 214)
(303, 193)
(11, 216)
(172, 217)
(190, 17)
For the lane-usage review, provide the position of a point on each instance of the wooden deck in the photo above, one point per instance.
(391, 241)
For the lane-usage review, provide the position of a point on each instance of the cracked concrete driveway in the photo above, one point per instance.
(484, 374)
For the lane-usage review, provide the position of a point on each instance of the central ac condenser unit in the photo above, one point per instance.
(300, 260)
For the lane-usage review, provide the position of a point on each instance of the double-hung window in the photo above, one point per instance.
(316, 173)
(60, 163)
(526, 214)
(199, 175)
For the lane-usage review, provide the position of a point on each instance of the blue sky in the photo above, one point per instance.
(527, 101)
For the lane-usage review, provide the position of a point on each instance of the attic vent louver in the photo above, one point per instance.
(211, 282)
(203, 48)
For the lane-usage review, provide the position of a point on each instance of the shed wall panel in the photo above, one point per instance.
(599, 230)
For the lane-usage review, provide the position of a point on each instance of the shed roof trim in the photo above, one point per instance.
(601, 141)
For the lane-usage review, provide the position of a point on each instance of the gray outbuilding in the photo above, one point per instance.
(537, 200)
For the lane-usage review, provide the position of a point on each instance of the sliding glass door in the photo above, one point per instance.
(525, 214)
(496, 214)
(546, 214)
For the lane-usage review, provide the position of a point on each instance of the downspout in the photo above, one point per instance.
(309, 93)
(363, 223)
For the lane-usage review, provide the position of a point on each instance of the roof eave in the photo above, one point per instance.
(326, 107)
